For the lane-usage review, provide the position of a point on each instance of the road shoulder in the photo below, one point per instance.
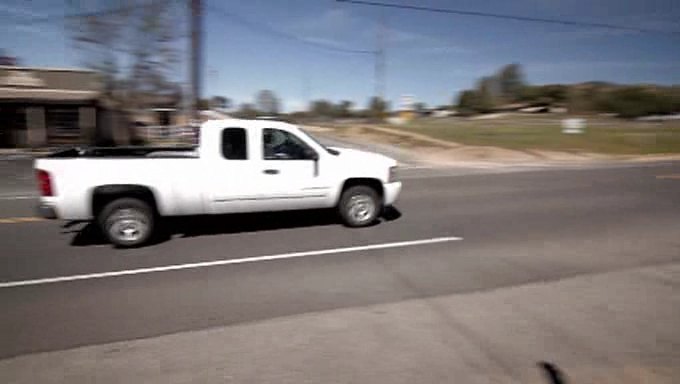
(575, 324)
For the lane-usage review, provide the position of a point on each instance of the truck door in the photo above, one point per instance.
(290, 174)
(231, 183)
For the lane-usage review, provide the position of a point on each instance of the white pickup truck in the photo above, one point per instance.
(239, 166)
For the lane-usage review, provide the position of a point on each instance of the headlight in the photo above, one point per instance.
(393, 176)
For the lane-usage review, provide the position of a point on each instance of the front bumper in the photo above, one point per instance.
(391, 193)
(46, 211)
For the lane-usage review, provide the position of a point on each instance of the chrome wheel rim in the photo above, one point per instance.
(128, 225)
(361, 208)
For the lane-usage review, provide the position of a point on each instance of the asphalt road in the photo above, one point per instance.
(17, 178)
(579, 268)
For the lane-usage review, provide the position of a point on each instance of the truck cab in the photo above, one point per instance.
(285, 168)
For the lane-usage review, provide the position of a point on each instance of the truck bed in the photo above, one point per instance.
(126, 152)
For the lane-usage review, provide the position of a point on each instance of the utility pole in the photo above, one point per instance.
(195, 7)
(380, 62)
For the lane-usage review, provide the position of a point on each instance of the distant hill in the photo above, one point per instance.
(507, 88)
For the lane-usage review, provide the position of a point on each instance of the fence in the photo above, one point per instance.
(168, 134)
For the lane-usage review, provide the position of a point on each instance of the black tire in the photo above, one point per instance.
(127, 222)
(359, 206)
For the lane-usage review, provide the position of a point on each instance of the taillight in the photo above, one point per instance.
(45, 183)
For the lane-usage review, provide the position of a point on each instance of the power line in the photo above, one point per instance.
(507, 16)
(263, 28)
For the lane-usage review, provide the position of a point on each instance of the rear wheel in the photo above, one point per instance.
(127, 222)
(359, 206)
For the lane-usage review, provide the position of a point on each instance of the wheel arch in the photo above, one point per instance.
(105, 194)
(375, 184)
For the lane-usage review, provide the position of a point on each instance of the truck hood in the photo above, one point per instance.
(365, 158)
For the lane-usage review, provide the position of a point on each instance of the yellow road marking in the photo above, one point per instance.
(16, 220)
(28, 219)
(673, 177)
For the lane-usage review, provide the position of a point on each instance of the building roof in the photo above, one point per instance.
(25, 94)
(49, 84)
(23, 77)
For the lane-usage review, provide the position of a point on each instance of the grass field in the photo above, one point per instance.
(602, 135)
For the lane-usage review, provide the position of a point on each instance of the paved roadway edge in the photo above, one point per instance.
(206, 264)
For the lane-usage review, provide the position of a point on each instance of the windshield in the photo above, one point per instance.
(314, 139)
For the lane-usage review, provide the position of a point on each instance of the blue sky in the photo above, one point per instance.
(431, 56)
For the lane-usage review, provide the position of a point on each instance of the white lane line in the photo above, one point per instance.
(19, 197)
(206, 264)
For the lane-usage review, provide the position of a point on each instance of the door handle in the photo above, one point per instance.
(271, 171)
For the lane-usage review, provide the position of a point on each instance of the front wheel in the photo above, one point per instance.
(127, 222)
(359, 206)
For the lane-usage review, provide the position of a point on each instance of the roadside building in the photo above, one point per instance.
(45, 106)
(163, 109)
(51, 107)
(157, 117)
(407, 110)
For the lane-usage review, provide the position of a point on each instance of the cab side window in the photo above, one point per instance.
(234, 144)
(283, 145)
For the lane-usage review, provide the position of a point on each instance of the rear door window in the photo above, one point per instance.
(234, 144)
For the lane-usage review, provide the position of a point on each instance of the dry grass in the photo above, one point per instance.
(603, 135)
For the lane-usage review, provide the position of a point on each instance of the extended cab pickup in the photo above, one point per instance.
(239, 166)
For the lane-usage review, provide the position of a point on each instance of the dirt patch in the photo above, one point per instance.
(433, 151)
(368, 134)
(314, 128)
(415, 138)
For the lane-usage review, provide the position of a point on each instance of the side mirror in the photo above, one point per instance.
(311, 154)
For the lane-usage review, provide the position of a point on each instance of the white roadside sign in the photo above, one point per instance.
(573, 126)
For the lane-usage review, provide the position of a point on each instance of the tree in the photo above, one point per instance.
(636, 101)
(674, 95)
(481, 99)
(486, 98)
(267, 102)
(377, 108)
(468, 101)
(246, 111)
(544, 94)
(322, 108)
(203, 104)
(220, 102)
(556, 93)
(507, 85)
(587, 98)
(133, 46)
(343, 109)
(511, 82)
